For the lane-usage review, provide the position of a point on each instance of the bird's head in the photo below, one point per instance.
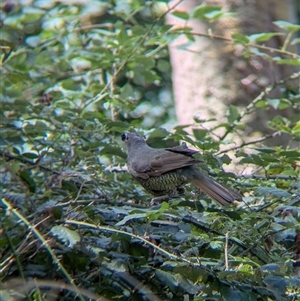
(132, 139)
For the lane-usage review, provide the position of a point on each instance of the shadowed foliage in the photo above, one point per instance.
(74, 224)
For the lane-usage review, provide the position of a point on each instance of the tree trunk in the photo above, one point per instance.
(210, 74)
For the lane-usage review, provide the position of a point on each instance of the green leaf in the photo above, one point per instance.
(177, 30)
(127, 91)
(269, 158)
(70, 84)
(234, 215)
(142, 75)
(262, 104)
(216, 245)
(274, 103)
(122, 36)
(57, 212)
(289, 171)
(112, 151)
(201, 11)
(293, 62)
(30, 155)
(132, 217)
(190, 37)
(163, 65)
(295, 41)
(232, 114)
(116, 126)
(138, 30)
(263, 37)
(265, 150)
(175, 282)
(18, 61)
(238, 37)
(66, 235)
(253, 159)
(284, 104)
(275, 169)
(287, 25)
(158, 133)
(273, 192)
(181, 14)
(28, 179)
(296, 128)
(32, 14)
(215, 15)
(226, 159)
(294, 154)
(143, 62)
(199, 134)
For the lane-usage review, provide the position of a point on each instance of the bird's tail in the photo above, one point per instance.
(216, 191)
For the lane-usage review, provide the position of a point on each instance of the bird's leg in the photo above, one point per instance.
(180, 190)
(159, 199)
(171, 194)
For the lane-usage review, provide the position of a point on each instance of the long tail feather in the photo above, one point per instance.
(216, 191)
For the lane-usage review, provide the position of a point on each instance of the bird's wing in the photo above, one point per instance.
(160, 161)
(184, 150)
(169, 161)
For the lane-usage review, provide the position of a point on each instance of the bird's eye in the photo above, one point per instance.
(124, 136)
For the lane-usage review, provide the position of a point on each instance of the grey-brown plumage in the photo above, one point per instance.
(163, 171)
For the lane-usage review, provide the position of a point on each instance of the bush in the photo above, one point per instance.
(74, 77)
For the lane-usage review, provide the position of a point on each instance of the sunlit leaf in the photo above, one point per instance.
(181, 14)
(132, 217)
(293, 62)
(287, 25)
(66, 235)
(263, 37)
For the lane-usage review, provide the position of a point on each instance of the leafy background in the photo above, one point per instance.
(74, 225)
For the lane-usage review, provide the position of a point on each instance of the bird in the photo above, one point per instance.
(164, 171)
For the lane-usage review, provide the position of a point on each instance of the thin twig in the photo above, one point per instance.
(230, 40)
(226, 252)
(103, 93)
(18, 285)
(109, 229)
(118, 169)
(195, 222)
(250, 142)
(269, 177)
(39, 236)
(265, 92)
(9, 156)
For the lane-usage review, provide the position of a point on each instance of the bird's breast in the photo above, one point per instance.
(162, 184)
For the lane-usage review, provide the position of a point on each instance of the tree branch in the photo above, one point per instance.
(230, 40)
(253, 251)
(250, 142)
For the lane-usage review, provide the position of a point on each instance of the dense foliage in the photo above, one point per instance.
(73, 222)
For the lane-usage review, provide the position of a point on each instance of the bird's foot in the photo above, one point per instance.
(180, 190)
(159, 199)
(175, 193)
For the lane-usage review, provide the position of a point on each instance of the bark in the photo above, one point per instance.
(209, 74)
